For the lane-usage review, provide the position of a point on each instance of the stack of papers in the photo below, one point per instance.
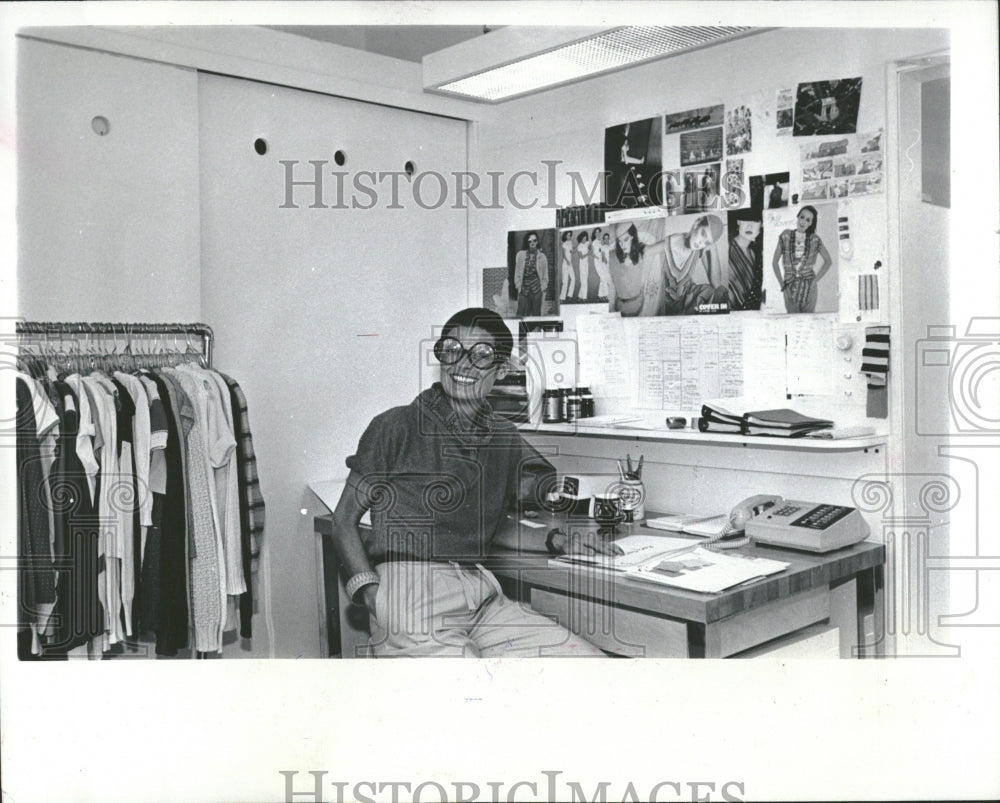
(636, 550)
(705, 571)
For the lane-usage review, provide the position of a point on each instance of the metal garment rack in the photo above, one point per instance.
(79, 329)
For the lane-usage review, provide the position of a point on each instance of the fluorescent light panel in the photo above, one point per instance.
(610, 50)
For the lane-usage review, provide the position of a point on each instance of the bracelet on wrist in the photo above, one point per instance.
(359, 581)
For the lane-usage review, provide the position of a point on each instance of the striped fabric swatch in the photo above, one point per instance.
(868, 291)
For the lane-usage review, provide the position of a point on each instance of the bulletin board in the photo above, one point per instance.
(754, 268)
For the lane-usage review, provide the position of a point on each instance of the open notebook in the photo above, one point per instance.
(704, 526)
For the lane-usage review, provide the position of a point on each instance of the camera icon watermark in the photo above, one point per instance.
(958, 380)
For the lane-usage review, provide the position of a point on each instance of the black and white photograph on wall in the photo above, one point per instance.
(784, 113)
(583, 265)
(800, 244)
(734, 190)
(496, 292)
(701, 117)
(746, 250)
(670, 266)
(739, 130)
(673, 192)
(701, 189)
(827, 107)
(769, 191)
(632, 160)
(698, 147)
(531, 268)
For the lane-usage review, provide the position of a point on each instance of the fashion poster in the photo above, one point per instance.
(739, 130)
(701, 189)
(827, 107)
(670, 266)
(583, 255)
(531, 272)
(632, 160)
(746, 249)
(769, 191)
(697, 147)
(673, 192)
(693, 118)
(800, 254)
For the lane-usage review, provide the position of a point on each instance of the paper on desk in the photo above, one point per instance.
(637, 549)
(705, 571)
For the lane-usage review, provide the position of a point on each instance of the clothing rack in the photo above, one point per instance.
(127, 331)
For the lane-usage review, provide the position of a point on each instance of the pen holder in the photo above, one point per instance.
(633, 496)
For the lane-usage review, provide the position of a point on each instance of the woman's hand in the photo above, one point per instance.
(368, 593)
(585, 543)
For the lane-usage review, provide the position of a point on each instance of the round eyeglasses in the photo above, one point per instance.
(449, 351)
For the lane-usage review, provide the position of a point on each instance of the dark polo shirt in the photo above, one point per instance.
(438, 491)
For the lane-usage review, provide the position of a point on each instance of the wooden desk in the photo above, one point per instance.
(841, 589)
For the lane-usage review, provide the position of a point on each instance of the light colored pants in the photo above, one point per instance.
(449, 610)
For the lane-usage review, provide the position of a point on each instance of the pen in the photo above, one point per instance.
(628, 462)
(638, 471)
(621, 471)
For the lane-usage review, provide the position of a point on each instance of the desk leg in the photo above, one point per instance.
(845, 615)
(871, 613)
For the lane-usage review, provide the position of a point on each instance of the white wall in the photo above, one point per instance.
(108, 225)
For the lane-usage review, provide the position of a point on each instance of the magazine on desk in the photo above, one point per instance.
(703, 570)
(678, 562)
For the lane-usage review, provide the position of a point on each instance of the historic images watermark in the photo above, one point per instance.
(313, 786)
(311, 184)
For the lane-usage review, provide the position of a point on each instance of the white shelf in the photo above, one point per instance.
(623, 432)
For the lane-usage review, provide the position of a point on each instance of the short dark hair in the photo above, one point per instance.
(488, 321)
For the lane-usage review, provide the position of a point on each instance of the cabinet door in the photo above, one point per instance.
(321, 306)
(108, 217)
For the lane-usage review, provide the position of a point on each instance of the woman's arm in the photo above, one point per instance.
(776, 260)
(347, 537)
(827, 260)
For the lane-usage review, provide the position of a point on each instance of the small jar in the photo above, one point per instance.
(586, 403)
(552, 406)
(564, 404)
(573, 405)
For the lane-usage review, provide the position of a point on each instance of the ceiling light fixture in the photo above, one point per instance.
(532, 59)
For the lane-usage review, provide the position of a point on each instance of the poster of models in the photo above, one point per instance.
(669, 266)
(632, 159)
(769, 191)
(531, 268)
(739, 131)
(827, 107)
(701, 188)
(746, 259)
(800, 245)
(582, 273)
(698, 147)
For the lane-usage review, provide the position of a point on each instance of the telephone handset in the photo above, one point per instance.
(732, 534)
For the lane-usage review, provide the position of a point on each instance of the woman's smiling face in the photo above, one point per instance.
(464, 383)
